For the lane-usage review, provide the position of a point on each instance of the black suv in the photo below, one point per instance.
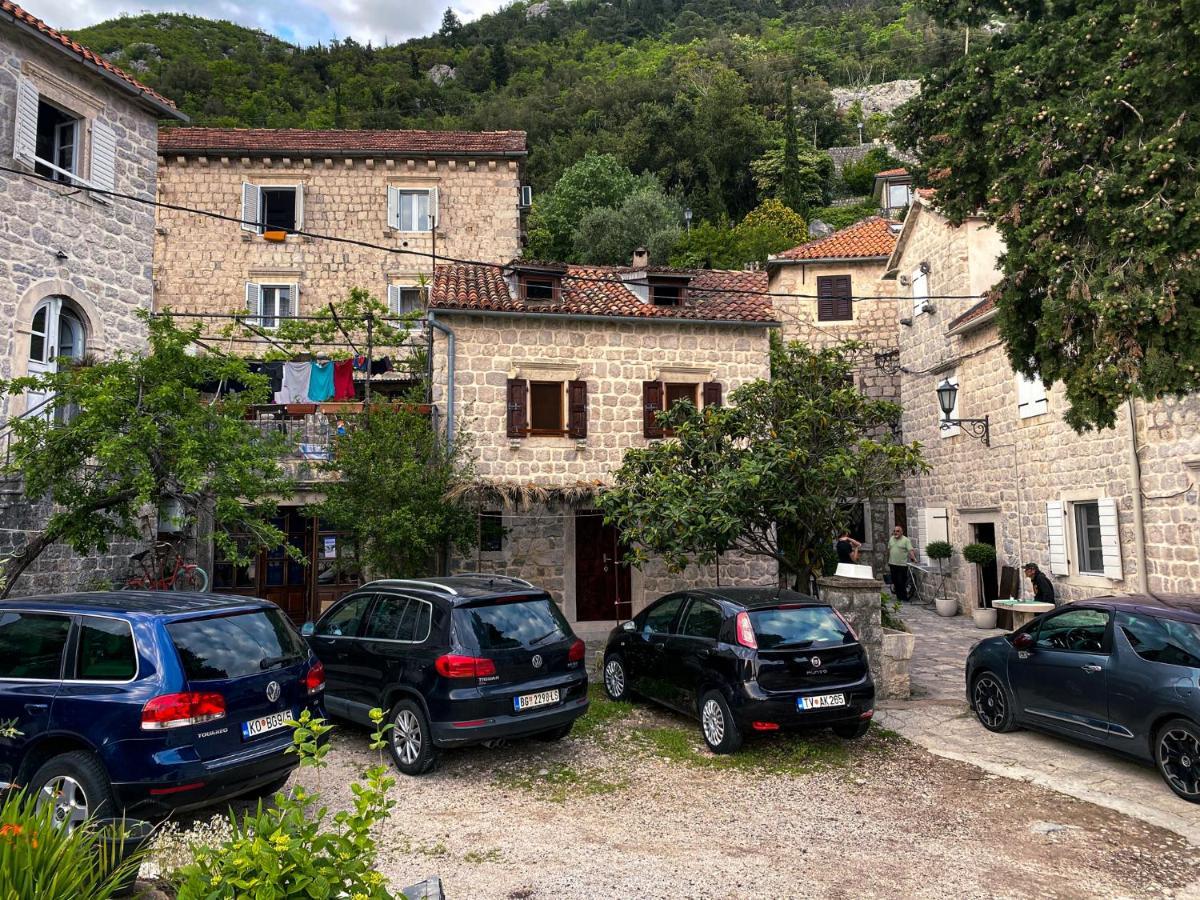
(744, 659)
(459, 660)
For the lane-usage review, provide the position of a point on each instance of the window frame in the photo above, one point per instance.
(540, 387)
(1032, 400)
(919, 288)
(409, 193)
(62, 661)
(262, 317)
(667, 301)
(75, 643)
(550, 282)
(379, 598)
(693, 602)
(1072, 609)
(345, 601)
(60, 173)
(1159, 622)
(662, 601)
(485, 537)
(1079, 538)
(904, 186)
(263, 224)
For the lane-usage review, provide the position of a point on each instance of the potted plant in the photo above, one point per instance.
(940, 551)
(981, 555)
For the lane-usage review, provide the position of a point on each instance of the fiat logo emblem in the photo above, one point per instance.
(273, 691)
(537, 660)
(815, 662)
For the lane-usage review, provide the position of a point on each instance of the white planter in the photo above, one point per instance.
(984, 618)
(946, 606)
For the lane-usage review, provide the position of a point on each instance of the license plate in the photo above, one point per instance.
(529, 701)
(273, 722)
(821, 701)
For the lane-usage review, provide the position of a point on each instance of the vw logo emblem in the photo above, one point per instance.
(273, 691)
(537, 660)
(815, 662)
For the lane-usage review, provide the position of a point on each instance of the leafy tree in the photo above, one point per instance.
(814, 176)
(1077, 134)
(128, 433)
(858, 177)
(842, 216)
(392, 494)
(597, 181)
(500, 66)
(790, 182)
(769, 228)
(768, 475)
(451, 25)
(786, 222)
(647, 218)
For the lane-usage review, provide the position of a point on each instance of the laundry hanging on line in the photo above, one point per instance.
(320, 381)
(294, 387)
(343, 380)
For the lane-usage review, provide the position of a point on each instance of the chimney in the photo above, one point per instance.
(641, 258)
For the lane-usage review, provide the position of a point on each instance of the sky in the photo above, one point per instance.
(301, 22)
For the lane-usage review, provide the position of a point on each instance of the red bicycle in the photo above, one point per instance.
(184, 576)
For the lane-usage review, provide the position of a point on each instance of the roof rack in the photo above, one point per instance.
(413, 582)
(490, 577)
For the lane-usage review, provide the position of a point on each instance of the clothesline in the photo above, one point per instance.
(318, 381)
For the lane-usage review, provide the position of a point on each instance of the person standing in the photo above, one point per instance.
(1043, 589)
(847, 547)
(900, 553)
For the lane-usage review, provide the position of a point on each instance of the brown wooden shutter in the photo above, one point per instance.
(712, 393)
(518, 407)
(834, 299)
(652, 402)
(577, 409)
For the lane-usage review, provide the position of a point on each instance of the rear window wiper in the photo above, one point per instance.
(549, 634)
(272, 661)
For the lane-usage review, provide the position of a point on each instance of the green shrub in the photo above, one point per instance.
(980, 554)
(889, 612)
(290, 850)
(939, 549)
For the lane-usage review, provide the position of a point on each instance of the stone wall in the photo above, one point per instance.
(857, 599)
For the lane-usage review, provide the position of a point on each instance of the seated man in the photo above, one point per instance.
(1043, 590)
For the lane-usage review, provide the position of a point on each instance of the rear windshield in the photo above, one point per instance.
(237, 645)
(511, 624)
(799, 627)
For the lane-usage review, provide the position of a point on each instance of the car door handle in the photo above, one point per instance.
(1091, 668)
(36, 709)
(660, 646)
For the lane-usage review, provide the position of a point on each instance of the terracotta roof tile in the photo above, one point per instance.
(599, 291)
(260, 141)
(980, 309)
(85, 55)
(889, 173)
(871, 238)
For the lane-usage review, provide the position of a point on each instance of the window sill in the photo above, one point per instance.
(1088, 580)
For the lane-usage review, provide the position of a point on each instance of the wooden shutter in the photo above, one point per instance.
(1031, 396)
(299, 207)
(253, 301)
(291, 306)
(1110, 538)
(434, 214)
(920, 291)
(250, 207)
(652, 403)
(103, 171)
(712, 394)
(518, 407)
(393, 207)
(577, 409)
(1056, 531)
(933, 525)
(834, 303)
(25, 124)
(393, 299)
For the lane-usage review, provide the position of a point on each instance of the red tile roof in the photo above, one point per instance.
(980, 309)
(261, 141)
(889, 173)
(51, 35)
(601, 291)
(871, 238)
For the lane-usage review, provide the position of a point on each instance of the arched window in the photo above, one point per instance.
(57, 332)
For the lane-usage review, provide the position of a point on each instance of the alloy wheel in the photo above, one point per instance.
(713, 722)
(1179, 759)
(69, 800)
(406, 736)
(614, 678)
(990, 703)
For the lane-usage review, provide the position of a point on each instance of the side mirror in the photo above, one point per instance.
(1023, 641)
(629, 626)
(308, 629)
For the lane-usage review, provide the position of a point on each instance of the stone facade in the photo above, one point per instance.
(1034, 458)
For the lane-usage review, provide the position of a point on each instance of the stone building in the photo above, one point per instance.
(75, 263)
(555, 371)
(832, 290)
(1101, 512)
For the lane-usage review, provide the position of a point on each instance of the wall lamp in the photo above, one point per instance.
(947, 396)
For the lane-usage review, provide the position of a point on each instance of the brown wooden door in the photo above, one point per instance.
(283, 580)
(602, 583)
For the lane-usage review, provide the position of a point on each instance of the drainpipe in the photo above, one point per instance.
(449, 333)
(1139, 524)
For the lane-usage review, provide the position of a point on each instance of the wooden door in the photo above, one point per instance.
(286, 581)
(603, 589)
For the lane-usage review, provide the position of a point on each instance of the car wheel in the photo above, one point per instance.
(1177, 752)
(993, 703)
(555, 734)
(616, 683)
(77, 786)
(851, 731)
(410, 740)
(717, 724)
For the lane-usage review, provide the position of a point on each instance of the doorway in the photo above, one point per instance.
(603, 584)
(57, 336)
(985, 533)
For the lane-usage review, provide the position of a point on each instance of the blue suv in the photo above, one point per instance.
(148, 702)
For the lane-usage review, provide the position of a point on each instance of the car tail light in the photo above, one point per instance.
(314, 681)
(745, 631)
(868, 714)
(765, 726)
(454, 666)
(849, 627)
(577, 652)
(178, 710)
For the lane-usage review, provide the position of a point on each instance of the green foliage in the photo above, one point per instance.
(728, 480)
(646, 218)
(330, 324)
(980, 554)
(598, 181)
(127, 433)
(813, 176)
(39, 860)
(889, 612)
(1077, 134)
(838, 217)
(395, 473)
(939, 550)
(296, 849)
(858, 176)
(769, 228)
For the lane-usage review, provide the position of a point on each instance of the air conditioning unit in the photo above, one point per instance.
(526, 196)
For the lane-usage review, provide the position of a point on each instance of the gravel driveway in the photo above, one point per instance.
(631, 805)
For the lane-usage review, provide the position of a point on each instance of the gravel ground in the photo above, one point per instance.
(635, 807)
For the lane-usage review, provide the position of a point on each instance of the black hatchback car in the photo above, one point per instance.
(1118, 672)
(465, 659)
(744, 659)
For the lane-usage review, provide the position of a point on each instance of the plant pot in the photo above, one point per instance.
(985, 617)
(120, 840)
(945, 606)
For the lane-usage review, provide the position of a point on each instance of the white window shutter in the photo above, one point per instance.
(251, 203)
(1110, 538)
(934, 526)
(393, 207)
(393, 299)
(253, 301)
(299, 207)
(1056, 531)
(434, 217)
(920, 291)
(25, 124)
(103, 172)
(290, 307)
(1031, 397)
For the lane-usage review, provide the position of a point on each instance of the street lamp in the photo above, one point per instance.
(687, 217)
(860, 128)
(947, 396)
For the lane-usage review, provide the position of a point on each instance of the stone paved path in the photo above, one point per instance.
(938, 719)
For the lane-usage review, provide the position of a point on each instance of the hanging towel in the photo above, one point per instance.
(380, 366)
(343, 380)
(360, 363)
(294, 388)
(274, 371)
(320, 381)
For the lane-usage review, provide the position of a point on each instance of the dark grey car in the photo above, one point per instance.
(1119, 672)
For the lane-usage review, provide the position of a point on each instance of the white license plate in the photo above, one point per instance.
(821, 701)
(529, 701)
(273, 722)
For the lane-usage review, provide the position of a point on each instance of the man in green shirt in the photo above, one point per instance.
(900, 552)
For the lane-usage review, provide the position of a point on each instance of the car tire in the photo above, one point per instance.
(852, 731)
(77, 785)
(555, 734)
(720, 729)
(616, 677)
(993, 703)
(409, 740)
(1177, 756)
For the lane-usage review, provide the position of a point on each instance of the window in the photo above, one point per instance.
(540, 288)
(50, 140)
(1031, 397)
(404, 300)
(1079, 630)
(920, 291)
(834, 303)
(399, 619)
(1162, 640)
(520, 623)
(677, 393)
(105, 650)
(950, 430)
(858, 521)
(899, 195)
(414, 627)
(279, 208)
(31, 645)
(236, 646)
(412, 210)
(229, 575)
(268, 303)
(1089, 545)
(491, 531)
(660, 616)
(801, 627)
(58, 141)
(703, 620)
(545, 407)
(343, 620)
(667, 293)
(272, 207)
